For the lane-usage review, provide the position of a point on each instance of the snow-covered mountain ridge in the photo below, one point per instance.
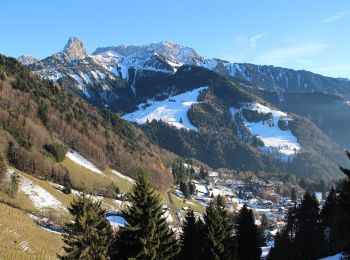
(111, 73)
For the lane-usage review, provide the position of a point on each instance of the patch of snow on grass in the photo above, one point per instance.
(40, 197)
(78, 159)
(123, 176)
(173, 110)
(281, 142)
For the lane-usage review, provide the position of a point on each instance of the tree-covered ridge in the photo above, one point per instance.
(36, 115)
(218, 141)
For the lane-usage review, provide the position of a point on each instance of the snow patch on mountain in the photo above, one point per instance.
(79, 159)
(276, 141)
(172, 110)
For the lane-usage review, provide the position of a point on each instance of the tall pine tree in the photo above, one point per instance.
(147, 234)
(283, 245)
(344, 203)
(293, 195)
(330, 222)
(309, 236)
(215, 233)
(191, 237)
(229, 241)
(282, 248)
(247, 235)
(90, 234)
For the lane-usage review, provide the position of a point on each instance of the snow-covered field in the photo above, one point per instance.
(79, 159)
(276, 140)
(173, 110)
(40, 197)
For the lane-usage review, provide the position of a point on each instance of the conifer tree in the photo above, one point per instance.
(309, 238)
(344, 205)
(291, 225)
(147, 234)
(191, 237)
(264, 224)
(330, 221)
(247, 235)
(185, 189)
(293, 195)
(282, 248)
(214, 233)
(283, 245)
(89, 235)
(229, 243)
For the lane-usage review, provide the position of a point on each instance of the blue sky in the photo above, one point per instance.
(312, 35)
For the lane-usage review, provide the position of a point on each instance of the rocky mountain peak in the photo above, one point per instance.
(27, 59)
(74, 49)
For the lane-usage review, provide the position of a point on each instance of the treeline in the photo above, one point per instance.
(147, 234)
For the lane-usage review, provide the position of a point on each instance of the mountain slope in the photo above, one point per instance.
(35, 114)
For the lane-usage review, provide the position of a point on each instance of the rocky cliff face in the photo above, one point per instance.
(74, 49)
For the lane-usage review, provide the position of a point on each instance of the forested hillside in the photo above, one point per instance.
(39, 122)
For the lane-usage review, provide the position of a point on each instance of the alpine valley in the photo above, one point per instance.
(238, 116)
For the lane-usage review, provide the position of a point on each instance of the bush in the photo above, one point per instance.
(283, 124)
(58, 151)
